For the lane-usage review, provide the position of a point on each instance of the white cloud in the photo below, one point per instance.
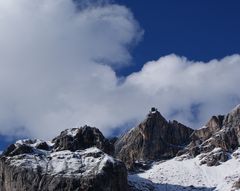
(55, 61)
(56, 71)
(189, 91)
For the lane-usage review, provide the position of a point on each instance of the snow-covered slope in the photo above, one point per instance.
(180, 174)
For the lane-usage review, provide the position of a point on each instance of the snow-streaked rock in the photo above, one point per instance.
(34, 165)
(65, 163)
(222, 131)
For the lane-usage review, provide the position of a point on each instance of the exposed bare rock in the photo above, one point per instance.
(212, 126)
(82, 138)
(17, 150)
(43, 146)
(213, 158)
(220, 132)
(153, 139)
(33, 165)
(233, 118)
(236, 185)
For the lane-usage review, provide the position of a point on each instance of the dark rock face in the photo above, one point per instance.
(236, 184)
(220, 132)
(153, 139)
(14, 150)
(35, 165)
(43, 146)
(82, 138)
(214, 158)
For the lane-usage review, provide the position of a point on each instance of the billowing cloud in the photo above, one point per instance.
(189, 91)
(56, 61)
(57, 71)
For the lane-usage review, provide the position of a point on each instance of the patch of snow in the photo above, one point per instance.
(236, 154)
(90, 150)
(33, 142)
(72, 132)
(50, 143)
(183, 175)
(203, 127)
(215, 150)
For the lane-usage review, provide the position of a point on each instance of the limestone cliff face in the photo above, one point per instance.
(62, 165)
(212, 126)
(153, 139)
(220, 132)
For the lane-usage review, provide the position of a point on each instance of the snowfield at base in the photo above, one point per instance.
(188, 174)
(65, 163)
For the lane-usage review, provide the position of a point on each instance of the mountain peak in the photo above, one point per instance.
(82, 138)
(236, 109)
(154, 116)
(234, 113)
(153, 110)
(153, 139)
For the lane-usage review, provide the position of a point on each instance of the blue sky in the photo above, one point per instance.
(199, 30)
(107, 64)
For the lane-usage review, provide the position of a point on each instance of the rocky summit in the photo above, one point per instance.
(71, 162)
(153, 139)
(82, 138)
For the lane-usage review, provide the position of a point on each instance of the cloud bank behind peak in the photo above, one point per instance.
(57, 71)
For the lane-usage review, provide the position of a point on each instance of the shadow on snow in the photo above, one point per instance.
(137, 183)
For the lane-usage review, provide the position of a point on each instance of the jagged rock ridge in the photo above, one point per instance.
(215, 144)
(220, 132)
(35, 165)
(153, 139)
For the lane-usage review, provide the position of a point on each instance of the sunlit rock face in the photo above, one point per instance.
(222, 132)
(153, 139)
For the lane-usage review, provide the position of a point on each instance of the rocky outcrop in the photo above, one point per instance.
(82, 138)
(35, 165)
(213, 158)
(220, 132)
(153, 139)
(212, 126)
(236, 185)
